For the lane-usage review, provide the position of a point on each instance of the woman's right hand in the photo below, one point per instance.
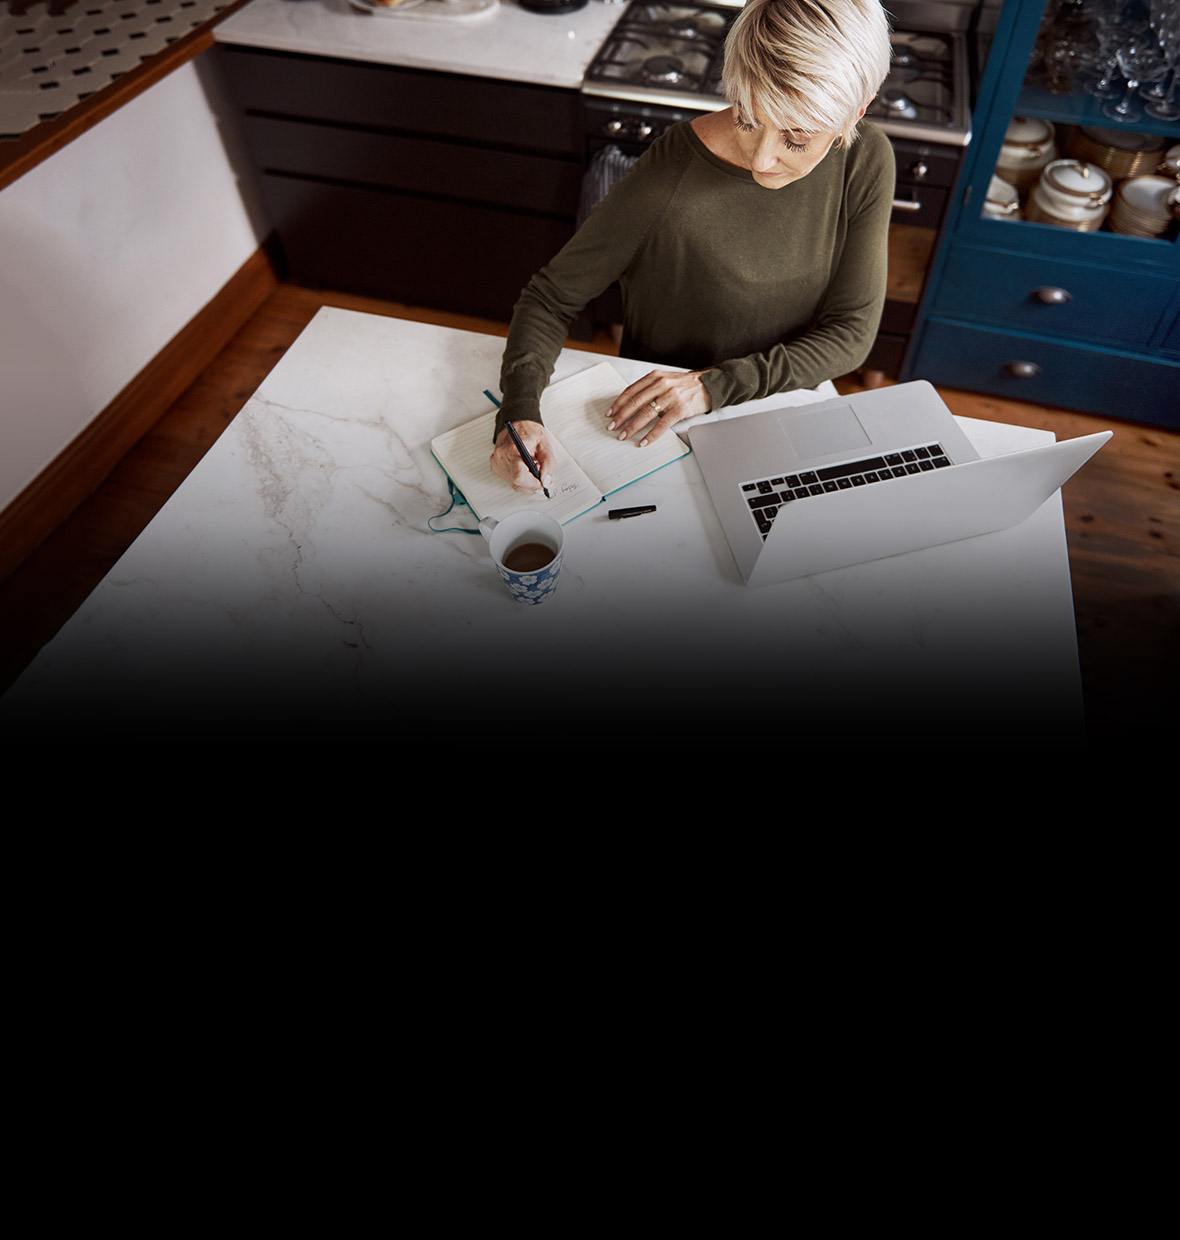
(506, 462)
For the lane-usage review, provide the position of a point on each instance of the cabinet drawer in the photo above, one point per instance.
(444, 105)
(1052, 297)
(919, 207)
(423, 251)
(1089, 379)
(513, 179)
(1170, 336)
(886, 354)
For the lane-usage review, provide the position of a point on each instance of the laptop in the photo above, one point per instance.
(815, 487)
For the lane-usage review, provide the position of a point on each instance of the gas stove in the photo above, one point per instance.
(926, 95)
(670, 56)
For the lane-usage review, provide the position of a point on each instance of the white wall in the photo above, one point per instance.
(107, 249)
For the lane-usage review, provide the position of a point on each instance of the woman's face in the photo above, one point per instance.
(778, 157)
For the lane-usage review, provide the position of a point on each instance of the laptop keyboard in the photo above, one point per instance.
(766, 496)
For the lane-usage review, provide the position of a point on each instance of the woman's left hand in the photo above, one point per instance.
(654, 404)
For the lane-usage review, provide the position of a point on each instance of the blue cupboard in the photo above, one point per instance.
(1061, 313)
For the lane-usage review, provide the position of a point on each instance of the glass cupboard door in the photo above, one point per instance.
(1090, 143)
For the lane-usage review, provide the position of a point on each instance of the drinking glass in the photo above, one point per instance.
(1140, 61)
(1063, 46)
(1063, 60)
(1164, 16)
(1110, 33)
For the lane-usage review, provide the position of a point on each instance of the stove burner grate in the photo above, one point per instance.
(672, 54)
(664, 71)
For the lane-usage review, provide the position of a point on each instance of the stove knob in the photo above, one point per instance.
(613, 127)
(920, 171)
(643, 129)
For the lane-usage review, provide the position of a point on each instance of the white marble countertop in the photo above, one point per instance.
(290, 589)
(513, 44)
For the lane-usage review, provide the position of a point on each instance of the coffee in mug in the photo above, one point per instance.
(528, 557)
(526, 548)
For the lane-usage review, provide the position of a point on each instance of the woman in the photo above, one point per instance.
(750, 243)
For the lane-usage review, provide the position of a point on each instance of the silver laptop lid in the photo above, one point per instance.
(920, 510)
(813, 436)
(887, 511)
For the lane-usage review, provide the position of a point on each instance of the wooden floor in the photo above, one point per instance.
(1122, 515)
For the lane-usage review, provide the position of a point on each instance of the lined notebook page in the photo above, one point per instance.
(465, 452)
(589, 461)
(575, 410)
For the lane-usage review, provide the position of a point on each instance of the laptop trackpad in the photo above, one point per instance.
(825, 431)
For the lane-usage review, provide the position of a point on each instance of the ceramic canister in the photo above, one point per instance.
(1002, 202)
(1070, 194)
(1029, 144)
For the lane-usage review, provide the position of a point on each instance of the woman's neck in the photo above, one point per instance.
(716, 131)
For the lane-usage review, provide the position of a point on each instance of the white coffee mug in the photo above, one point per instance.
(527, 550)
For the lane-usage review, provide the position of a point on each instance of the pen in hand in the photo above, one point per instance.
(528, 460)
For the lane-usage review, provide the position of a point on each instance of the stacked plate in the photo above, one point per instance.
(1116, 151)
(1142, 206)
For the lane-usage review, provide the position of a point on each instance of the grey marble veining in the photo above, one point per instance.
(291, 590)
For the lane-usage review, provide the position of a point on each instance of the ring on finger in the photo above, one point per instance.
(656, 407)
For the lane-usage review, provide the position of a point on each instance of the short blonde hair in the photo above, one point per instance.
(807, 65)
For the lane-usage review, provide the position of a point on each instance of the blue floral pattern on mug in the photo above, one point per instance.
(532, 588)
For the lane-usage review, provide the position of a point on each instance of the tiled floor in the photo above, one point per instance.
(55, 53)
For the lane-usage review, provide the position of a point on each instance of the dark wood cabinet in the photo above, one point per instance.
(416, 186)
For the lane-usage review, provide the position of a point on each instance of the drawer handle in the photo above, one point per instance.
(904, 204)
(1023, 370)
(1052, 296)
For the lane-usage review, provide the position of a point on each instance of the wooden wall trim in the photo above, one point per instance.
(89, 459)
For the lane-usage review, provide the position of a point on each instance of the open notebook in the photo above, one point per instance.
(591, 464)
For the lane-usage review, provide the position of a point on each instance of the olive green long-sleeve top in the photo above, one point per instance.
(773, 289)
